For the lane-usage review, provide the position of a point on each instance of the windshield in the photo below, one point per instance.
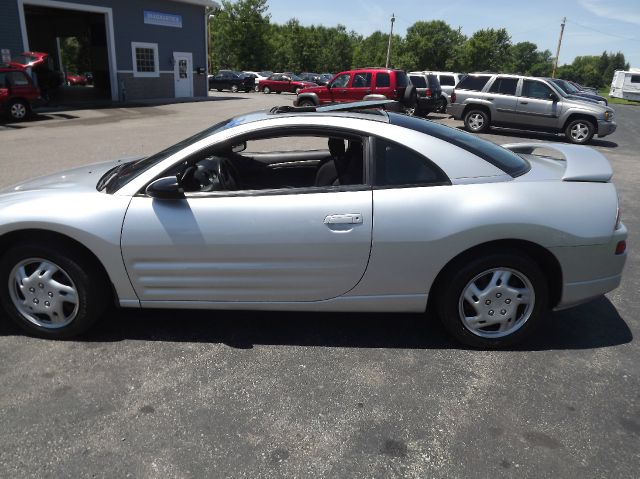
(116, 178)
(566, 86)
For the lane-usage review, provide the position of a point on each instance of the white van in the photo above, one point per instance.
(626, 84)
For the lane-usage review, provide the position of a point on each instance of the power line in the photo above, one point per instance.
(604, 33)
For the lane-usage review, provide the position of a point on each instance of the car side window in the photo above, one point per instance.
(447, 80)
(3, 81)
(383, 80)
(396, 165)
(17, 79)
(473, 82)
(341, 81)
(361, 80)
(504, 86)
(635, 78)
(535, 89)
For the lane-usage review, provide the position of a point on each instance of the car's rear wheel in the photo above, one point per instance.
(579, 131)
(297, 90)
(266, 90)
(476, 121)
(492, 301)
(257, 88)
(18, 110)
(441, 107)
(234, 88)
(307, 103)
(51, 292)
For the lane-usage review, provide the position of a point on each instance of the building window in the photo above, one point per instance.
(145, 59)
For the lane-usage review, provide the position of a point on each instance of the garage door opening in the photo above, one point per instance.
(77, 44)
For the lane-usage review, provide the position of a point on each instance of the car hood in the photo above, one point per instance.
(82, 178)
(586, 104)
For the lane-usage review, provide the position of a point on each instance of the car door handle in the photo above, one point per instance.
(524, 102)
(353, 218)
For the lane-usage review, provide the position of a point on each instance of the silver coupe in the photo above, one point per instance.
(339, 208)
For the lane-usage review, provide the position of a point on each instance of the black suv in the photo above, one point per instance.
(230, 80)
(429, 92)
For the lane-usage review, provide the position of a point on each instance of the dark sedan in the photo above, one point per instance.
(316, 78)
(571, 90)
(230, 80)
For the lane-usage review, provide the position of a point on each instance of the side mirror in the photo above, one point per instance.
(328, 86)
(553, 97)
(166, 188)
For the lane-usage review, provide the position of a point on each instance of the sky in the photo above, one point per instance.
(592, 25)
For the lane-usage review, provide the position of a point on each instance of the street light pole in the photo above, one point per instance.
(209, 47)
(393, 19)
(555, 63)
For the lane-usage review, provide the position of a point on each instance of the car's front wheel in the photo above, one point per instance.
(579, 131)
(307, 103)
(18, 110)
(234, 88)
(476, 121)
(51, 292)
(266, 90)
(492, 301)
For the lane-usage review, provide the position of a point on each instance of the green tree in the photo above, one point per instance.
(239, 32)
(429, 45)
(372, 51)
(485, 50)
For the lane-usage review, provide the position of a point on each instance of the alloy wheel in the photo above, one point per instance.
(579, 132)
(18, 111)
(476, 121)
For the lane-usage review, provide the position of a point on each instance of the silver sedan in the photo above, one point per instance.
(347, 208)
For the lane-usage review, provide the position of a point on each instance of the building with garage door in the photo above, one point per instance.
(128, 49)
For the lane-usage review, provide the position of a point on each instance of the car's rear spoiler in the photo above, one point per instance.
(583, 163)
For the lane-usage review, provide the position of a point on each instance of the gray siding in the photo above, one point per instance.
(10, 36)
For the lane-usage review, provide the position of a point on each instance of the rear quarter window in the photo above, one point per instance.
(418, 81)
(397, 165)
(506, 160)
(402, 80)
(447, 80)
(635, 78)
(473, 82)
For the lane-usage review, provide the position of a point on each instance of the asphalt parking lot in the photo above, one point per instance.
(247, 394)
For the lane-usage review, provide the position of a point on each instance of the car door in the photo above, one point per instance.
(339, 87)
(383, 85)
(502, 94)
(293, 244)
(536, 107)
(359, 86)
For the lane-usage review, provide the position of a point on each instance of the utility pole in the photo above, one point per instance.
(393, 19)
(555, 63)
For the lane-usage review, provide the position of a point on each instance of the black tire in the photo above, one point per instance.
(449, 299)
(579, 131)
(19, 110)
(307, 103)
(93, 290)
(278, 92)
(234, 88)
(477, 121)
(442, 106)
(266, 90)
(219, 89)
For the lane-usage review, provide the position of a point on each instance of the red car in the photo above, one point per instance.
(75, 79)
(355, 85)
(17, 93)
(279, 82)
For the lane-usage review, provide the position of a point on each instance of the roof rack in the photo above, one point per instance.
(336, 107)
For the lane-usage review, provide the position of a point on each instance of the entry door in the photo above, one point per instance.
(288, 247)
(535, 107)
(183, 74)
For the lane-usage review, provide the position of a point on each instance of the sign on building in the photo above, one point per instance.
(162, 19)
(5, 53)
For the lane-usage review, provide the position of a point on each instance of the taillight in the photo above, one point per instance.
(427, 93)
(453, 96)
(621, 247)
